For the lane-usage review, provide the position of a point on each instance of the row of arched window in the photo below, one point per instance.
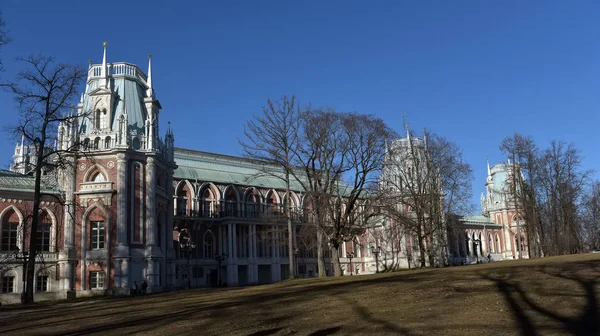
(11, 233)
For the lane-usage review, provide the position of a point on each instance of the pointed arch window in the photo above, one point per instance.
(42, 238)
(209, 203)
(10, 227)
(99, 177)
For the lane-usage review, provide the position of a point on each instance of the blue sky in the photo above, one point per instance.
(473, 71)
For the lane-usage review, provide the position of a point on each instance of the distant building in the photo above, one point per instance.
(496, 231)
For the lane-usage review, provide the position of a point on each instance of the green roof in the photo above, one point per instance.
(218, 168)
(12, 181)
(477, 220)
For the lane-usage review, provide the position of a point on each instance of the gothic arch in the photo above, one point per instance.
(272, 192)
(85, 222)
(91, 173)
(253, 191)
(228, 189)
(294, 200)
(212, 188)
(19, 227)
(53, 228)
(181, 185)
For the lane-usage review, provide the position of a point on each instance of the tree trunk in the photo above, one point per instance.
(320, 254)
(335, 260)
(291, 242)
(28, 299)
(421, 250)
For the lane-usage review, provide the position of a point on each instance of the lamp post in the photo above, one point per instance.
(295, 262)
(187, 246)
(375, 251)
(219, 258)
(25, 258)
(350, 256)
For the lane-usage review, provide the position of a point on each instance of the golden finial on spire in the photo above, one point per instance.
(72, 105)
(149, 55)
(104, 44)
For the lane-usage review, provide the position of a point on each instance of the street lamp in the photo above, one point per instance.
(375, 251)
(187, 246)
(220, 258)
(295, 262)
(25, 257)
(350, 256)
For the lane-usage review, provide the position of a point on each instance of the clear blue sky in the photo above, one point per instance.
(473, 71)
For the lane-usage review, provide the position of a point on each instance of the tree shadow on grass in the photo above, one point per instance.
(524, 308)
(145, 312)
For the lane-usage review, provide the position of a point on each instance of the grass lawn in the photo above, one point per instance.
(550, 296)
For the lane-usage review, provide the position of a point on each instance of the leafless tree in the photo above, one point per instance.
(272, 138)
(341, 155)
(549, 187)
(524, 184)
(590, 214)
(3, 38)
(44, 92)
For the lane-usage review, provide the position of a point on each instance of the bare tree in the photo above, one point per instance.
(43, 94)
(590, 214)
(3, 38)
(549, 188)
(341, 155)
(273, 138)
(524, 183)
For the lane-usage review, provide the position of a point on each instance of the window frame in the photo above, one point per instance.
(41, 283)
(97, 235)
(97, 280)
(5, 284)
(8, 246)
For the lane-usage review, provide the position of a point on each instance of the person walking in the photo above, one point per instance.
(144, 287)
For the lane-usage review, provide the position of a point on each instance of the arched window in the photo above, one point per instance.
(209, 202)
(107, 142)
(272, 204)
(252, 204)
(8, 282)
(208, 243)
(182, 201)
(230, 202)
(10, 227)
(42, 238)
(97, 143)
(98, 177)
(490, 244)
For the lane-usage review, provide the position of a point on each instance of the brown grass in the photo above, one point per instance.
(550, 296)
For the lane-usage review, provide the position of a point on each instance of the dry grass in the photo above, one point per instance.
(551, 296)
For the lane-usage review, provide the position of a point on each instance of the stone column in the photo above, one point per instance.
(169, 263)
(234, 242)
(67, 257)
(150, 202)
(122, 228)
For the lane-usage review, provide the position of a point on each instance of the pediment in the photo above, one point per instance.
(100, 91)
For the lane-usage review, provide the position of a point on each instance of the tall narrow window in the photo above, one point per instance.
(97, 280)
(9, 236)
(41, 283)
(208, 244)
(8, 284)
(97, 236)
(42, 239)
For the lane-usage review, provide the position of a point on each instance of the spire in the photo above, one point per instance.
(81, 99)
(488, 168)
(104, 72)
(509, 161)
(150, 91)
(425, 138)
(407, 132)
(386, 146)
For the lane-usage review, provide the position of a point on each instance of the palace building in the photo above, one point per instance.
(115, 214)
